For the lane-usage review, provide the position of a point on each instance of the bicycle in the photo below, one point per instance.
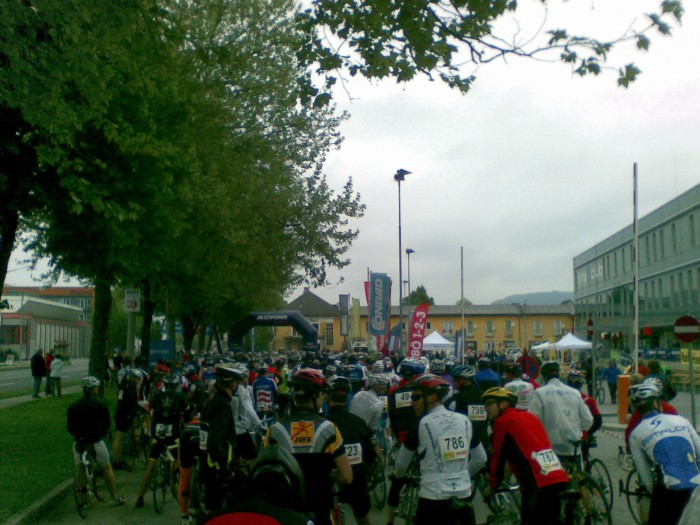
(338, 512)
(599, 393)
(136, 441)
(408, 498)
(376, 482)
(85, 485)
(624, 459)
(638, 497)
(164, 478)
(585, 502)
(505, 506)
(599, 472)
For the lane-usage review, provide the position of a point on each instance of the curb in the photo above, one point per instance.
(39, 508)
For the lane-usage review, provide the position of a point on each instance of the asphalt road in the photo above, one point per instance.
(105, 514)
(17, 379)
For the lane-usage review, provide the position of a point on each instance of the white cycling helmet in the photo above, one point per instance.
(378, 380)
(644, 392)
(90, 382)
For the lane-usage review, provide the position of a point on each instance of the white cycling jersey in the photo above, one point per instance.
(443, 446)
(524, 391)
(244, 415)
(369, 406)
(563, 413)
(666, 449)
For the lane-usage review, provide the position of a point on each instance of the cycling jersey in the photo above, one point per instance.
(218, 432)
(88, 420)
(467, 400)
(402, 417)
(264, 394)
(563, 413)
(666, 408)
(524, 391)
(168, 409)
(666, 450)
(315, 443)
(244, 414)
(520, 439)
(368, 406)
(443, 449)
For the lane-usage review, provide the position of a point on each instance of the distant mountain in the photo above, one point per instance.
(538, 298)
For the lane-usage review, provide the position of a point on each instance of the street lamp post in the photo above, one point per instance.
(399, 176)
(409, 251)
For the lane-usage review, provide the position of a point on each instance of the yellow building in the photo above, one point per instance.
(487, 327)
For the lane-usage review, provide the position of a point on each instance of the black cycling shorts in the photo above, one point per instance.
(124, 416)
(159, 445)
(356, 495)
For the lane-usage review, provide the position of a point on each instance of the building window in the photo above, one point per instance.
(9, 335)
(681, 291)
(691, 228)
(654, 251)
(672, 291)
(510, 325)
(646, 249)
(662, 248)
(490, 346)
(538, 328)
(617, 254)
(489, 328)
(448, 327)
(471, 328)
(674, 244)
(558, 327)
(427, 326)
(329, 334)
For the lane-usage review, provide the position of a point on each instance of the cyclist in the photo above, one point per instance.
(635, 418)
(315, 442)
(88, 423)
(217, 437)
(444, 439)
(128, 382)
(576, 379)
(169, 406)
(357, 437)
(264, 391)
(523, 389)
(245, 417)
(404, 426)
(369, 404)
(520, 439)
(485, 376)
(562, 411)
(283, 385)
(666, 452)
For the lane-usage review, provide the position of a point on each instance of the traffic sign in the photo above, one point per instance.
(687, 329)
(132, 299)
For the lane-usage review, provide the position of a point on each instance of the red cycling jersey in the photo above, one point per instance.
(520, 439)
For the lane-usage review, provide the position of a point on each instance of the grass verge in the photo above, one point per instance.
(35, 451)
(27, 391)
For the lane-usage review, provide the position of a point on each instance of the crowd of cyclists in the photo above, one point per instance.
(285, 435)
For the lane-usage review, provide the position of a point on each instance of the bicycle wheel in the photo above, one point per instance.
(159, 484)
(174, 482)
(595, 502)
(600, 395)
(599, 472)
(196, 494)
(378, 483)
(635, 502)
(505, 519)
(93, 483)
(80, 491)
(338, 514)
(408, 502)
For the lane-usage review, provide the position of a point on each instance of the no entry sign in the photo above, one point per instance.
(687, 329)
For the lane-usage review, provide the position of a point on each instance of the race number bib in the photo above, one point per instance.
(453, 447)
(263, 407)
(385, 402)
(403, 399)
(354, 452)
(203, 436)
(163, 430)
(477, 412)
(547, 460)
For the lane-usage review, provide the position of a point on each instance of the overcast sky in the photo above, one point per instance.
(528, 170)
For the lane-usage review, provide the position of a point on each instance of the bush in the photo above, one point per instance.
(7, 351)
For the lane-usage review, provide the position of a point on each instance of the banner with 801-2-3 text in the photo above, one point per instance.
(418, 323)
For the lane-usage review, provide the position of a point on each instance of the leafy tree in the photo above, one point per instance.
(420, 296)
(403, 38)
(465, 302)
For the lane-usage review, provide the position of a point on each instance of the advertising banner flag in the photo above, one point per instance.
(418, 323)
(379, 294)
(393, 344)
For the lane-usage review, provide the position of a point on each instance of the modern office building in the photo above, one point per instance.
(669, 273)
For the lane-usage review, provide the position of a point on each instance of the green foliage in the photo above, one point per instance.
(464, 301)
(430, 37)
(420, 296)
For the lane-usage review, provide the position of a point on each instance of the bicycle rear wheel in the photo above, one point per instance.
(159, 484)
(600, 395)
(599, 472)
(635, 502)
(174, 476)
(80, 491)
(377, 483)
(408, 503)
(595, 502)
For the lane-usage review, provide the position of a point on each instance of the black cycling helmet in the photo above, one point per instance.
(549, 369)
(341, 385)
(227, 373)
(278, 478)
(171, 381)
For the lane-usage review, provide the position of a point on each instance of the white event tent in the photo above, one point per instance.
(571, 342)
(436, 343)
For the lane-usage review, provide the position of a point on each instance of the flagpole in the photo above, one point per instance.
(461, 302)
(635, 241)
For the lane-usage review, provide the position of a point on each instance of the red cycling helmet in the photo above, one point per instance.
(431, 383)
(309, 380)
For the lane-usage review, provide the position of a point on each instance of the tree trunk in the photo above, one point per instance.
(9, 221)
(188, 331)
(148, 309)
(100, 323)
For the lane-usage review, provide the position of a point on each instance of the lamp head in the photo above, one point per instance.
(401, 174)
(409, 251)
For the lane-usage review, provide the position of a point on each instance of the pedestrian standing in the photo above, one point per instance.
(38, 371)
(48, 360)
(611, 374)
(55, 375)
